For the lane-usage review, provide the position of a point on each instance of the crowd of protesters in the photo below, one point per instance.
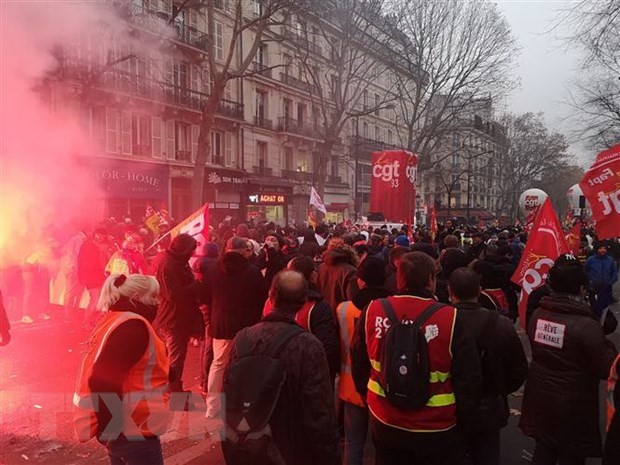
(343, 284)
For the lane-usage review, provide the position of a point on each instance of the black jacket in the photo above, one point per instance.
(325, 328)
(502, 358)
(466, 375)
(178, 309)
(273, 262)
(570, 356)
(304, 421)
(235, 292)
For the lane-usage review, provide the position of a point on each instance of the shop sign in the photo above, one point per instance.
(126, 179)
(264, 199)
(222, 178)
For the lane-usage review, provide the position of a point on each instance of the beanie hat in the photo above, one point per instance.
(372, 271)
(211, 250)
(402, 241)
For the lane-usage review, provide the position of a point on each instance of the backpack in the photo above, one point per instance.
(252, 387)
(405, 365)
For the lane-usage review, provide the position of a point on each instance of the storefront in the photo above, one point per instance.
(129, 186)
(268, 206)
(337, 212)
(224, 191)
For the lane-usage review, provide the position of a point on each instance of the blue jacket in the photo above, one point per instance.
(601, 270)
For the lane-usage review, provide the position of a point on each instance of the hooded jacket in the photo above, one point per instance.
(570, 356)
(601, 271)
(234, 291)
(178, 308)
(337, 275)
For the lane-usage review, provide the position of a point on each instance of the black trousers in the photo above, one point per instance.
(398, 447)
(483, 447)
(545, 455)
(176, 342)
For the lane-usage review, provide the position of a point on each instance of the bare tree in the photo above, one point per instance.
(227, 61)
(462, 52)
(355, 41)
(533, 154)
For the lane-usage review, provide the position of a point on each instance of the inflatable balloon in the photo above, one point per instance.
(531, 199)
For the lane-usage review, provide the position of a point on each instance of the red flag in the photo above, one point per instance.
(197, 226)
(433, 223)
(601, 187)
(393, 177)
(545, 244)
(573, 238)
(531, 217)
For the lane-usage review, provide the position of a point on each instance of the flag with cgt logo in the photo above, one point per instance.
(545, 244)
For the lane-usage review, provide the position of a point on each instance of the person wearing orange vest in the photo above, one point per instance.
(371, 277)
(427, 435)
(611, 454)
(121, 396)
(315, 316)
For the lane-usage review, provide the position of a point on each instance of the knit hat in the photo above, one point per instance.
(402, 241)
(372, 271)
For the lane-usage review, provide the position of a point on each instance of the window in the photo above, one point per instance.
(262, 55)
(315, 34)
(316, 118)
(288, 104)
(366, 100)
(286, 61)
(365, 170)
(377, 105)
(141, 138)
(219, 40)
(182, 141)
(261, 106)
(112, 130)
(157, 136)
(334, 166)
(126, 132)
(390, 137)
(301, 28)
(259, 7)
(261, 154)
(289, 161)
(217, 148)
(99, 126)
(179, 74)
(228, 149)
(301, 112)
(365, 130)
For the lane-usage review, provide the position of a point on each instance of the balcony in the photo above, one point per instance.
(298, 83)
(183, 155)
(263, 122)
(115, 80)
(363, 144)
(262, 69)
(301, 176)
(300, 128)
(263, 171)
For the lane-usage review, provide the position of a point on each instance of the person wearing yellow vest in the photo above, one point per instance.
(611, 454)
(371, 276)
(121, 396)
(426, 435)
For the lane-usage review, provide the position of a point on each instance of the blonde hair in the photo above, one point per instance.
(136, 287)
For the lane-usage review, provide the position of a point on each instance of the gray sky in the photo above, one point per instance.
(546, 66)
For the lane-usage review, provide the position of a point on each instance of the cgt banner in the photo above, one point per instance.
(392, 189)
(601, 187)
(545, 244)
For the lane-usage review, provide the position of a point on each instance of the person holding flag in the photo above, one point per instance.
(316, 205)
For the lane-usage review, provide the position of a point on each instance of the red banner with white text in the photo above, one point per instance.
(392, 189)
(545, 244)
(601, 187)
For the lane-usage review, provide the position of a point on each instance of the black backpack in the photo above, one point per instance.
(252, 386)
(405, 366)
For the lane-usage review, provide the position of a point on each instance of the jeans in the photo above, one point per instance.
(221, 356)
(176, 342)
(544, 455)
(124, 452)
(355, 432)
(483, 447)
(602, 300)
(206, 358)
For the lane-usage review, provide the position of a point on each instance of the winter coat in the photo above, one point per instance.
(303, 423)
(178, 308)
(503, 362)
(91, 264)
(611, 454)
(337, 276)
(475, 252)
(570, 356)
(309, 247)
(235, 292)
(601, 271)
(273, 262)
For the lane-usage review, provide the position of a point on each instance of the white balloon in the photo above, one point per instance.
(531, 199)
(573, 195)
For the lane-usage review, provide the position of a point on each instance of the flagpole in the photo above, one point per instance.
(157, 241)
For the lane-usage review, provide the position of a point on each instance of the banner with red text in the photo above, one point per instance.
(392, 189)
(545, 244)
(601, 187)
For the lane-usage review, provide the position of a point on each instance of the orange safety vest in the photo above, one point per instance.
(302, 317)
(439, 414)
(611, 387)
(348, 315)
(145, 397)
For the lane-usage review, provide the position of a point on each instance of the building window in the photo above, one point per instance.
(366, 100)
(365, 130)
(289, 161)
(219, 41)
(112, 132)
(259, 7)
(217, 148)
(365, 171)
(182, 141)
(334, 166)
(141, 138)
(377, 105)
(261, 106)
(301, 112)
(390, 137)
(262, 55)
(261, 154)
